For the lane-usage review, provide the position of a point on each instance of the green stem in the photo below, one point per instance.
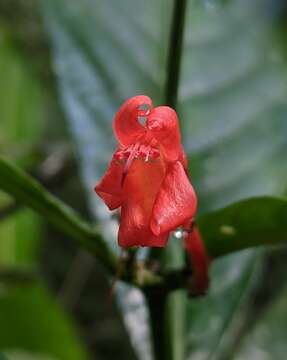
(158, 300)
(175, 53)
(30, 193)
(157, 304)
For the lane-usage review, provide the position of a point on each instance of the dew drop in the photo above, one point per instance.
(178, 234)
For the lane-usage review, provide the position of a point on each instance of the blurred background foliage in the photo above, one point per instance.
(65, 66)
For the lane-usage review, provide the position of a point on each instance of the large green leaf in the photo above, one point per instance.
(232, 107)
(267, 340)
(248, 223)
(21, 100)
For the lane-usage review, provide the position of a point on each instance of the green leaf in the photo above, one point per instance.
(233, 110)
(21, 116)
(248, 223)
(32, 321)
(21, 113)
(267, 340)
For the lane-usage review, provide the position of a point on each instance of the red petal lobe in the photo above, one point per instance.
(199, 261)
(126, 123)
(175, 203)
(163, 124)
(109, 188)
(141, 186)
(182, 158)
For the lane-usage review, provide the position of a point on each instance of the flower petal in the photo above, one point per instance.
(199, 261)
(126, 123)
(175, 203)
(110, 188)
(141, 185)
(183, 158)
(134, 228)
(163, 123)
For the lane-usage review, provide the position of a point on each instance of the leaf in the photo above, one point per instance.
(267, 340)
(265, 291)
(21, 116)
(248, 223)
(233, 110)
(48, 323)
(21, 108)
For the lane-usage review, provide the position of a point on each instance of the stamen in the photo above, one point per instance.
(147, 154)
(142, 151)
(119, 155)
(154, 154)
(132, 155)
(127, 153)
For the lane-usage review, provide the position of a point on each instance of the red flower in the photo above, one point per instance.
(199, 261)
(147, 176)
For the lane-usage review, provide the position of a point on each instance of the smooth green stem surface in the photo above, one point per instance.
(171, 99)
(175, 53)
